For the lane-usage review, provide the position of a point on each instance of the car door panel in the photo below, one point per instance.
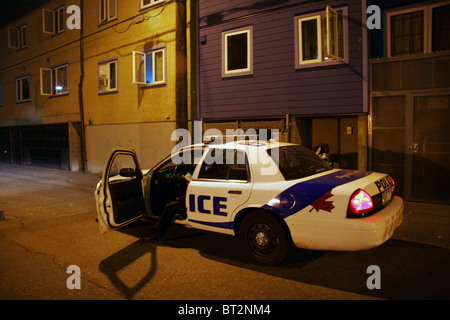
(123, 197)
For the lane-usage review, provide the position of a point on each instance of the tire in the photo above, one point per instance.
(264, 238)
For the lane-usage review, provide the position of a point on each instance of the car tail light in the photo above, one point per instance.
(393, 185)
(360, 204)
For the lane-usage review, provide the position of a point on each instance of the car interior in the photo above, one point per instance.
(164, 186)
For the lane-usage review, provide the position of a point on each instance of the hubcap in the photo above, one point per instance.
(262, 240)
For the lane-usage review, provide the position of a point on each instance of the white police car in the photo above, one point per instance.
(271, 195)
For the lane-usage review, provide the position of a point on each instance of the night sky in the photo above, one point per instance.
(12, 9)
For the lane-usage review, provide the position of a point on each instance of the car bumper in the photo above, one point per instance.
(347, 234)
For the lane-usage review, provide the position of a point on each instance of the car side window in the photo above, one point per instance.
(223, 164)
(183, 161)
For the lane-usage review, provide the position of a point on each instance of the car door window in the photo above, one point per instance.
(124, 185)
(225, 167)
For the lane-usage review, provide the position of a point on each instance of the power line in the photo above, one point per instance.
(145, 18)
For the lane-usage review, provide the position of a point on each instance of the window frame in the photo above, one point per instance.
(53, 80)
(225, 153)
(142, 61)
(106, 5)
(152, 3)
(430, 14)
(390, 14)
(243, 71)
(320, 61)
(108, 62)
(427, 29)
(21, 36)
(19, 88)
(54, 14)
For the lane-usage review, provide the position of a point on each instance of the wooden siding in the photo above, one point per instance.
(276, 87)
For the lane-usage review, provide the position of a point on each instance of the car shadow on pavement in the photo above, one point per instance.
(143, 257)
(409, 270)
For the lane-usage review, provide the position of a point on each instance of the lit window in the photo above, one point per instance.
(23, 89)
(55, 81)
(17, 37)
(107, 10)
(53, 21)
(321, 38)
(149, 67)
(237, 52)
(107, 76)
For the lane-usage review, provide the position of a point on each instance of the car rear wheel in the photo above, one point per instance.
(264, 238)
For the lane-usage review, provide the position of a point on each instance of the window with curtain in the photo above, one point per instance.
(407, 33)
(421, 30)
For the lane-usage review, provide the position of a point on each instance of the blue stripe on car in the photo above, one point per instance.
(305, 193)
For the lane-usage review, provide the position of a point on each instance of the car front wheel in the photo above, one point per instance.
(264, 238)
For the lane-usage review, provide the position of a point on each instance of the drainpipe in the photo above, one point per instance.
(80, 94)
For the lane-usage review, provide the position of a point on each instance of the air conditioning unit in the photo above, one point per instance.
(103, 82)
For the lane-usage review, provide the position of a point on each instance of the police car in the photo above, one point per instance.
(272, 196)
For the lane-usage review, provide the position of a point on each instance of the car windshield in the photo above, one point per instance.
(296, 162)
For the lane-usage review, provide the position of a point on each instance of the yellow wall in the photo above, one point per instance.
(43, 51)
(131, 104)
(136, 117)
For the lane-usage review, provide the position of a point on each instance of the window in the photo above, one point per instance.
(407, 33)
(17, 37)
(148, 3)
(320, 38)
(440, 28)
(23, 89)
(237, 52)
(149, 67)
(53, 21)
(55, 81)
(418, 30)
(107, 76)
(107, 10)
(223, 164)
(296, 162)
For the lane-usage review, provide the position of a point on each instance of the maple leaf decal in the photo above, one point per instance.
(323, 204)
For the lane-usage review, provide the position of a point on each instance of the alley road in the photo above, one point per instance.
(50, 225)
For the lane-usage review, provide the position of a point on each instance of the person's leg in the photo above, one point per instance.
(167, 216)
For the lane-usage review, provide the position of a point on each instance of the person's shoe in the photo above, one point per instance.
(149, 237)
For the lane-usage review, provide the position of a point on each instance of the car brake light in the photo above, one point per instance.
(393, 184)
(360, 204)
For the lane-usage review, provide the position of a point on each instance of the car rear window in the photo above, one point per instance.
(296, 162)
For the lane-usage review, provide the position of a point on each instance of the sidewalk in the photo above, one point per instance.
(425, 223)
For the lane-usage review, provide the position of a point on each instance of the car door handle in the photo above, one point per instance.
(234, 192)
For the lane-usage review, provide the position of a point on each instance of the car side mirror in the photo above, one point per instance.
(127, 172)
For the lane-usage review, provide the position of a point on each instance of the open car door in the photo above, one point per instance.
(121, 197)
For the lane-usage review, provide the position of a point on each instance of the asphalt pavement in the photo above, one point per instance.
(47, 224)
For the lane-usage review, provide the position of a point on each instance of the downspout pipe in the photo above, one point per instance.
(80, 94)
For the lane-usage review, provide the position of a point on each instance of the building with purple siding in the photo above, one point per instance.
(297, 66)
